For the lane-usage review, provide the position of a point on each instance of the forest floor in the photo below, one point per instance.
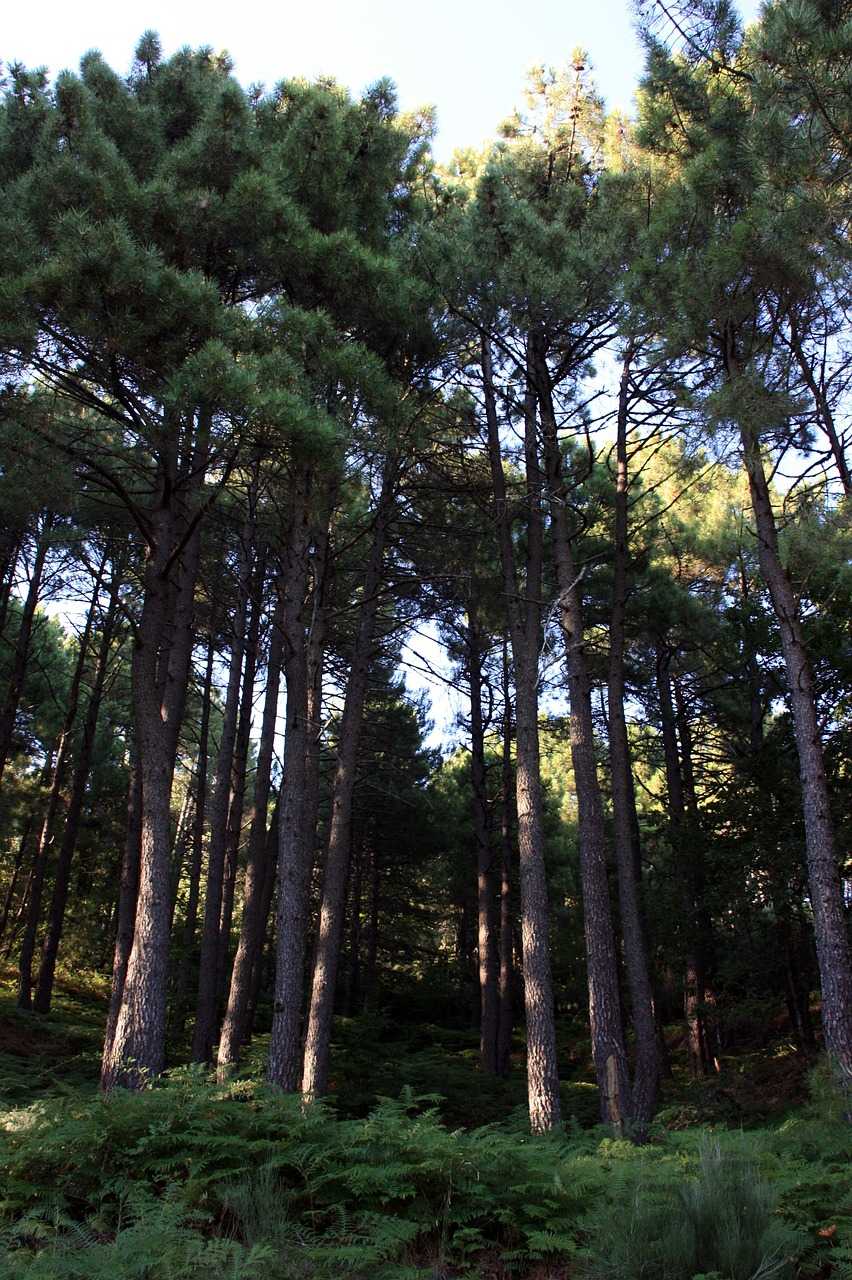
(760, 1080)
(418, 1168)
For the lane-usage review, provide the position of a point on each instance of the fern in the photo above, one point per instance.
(189, 1179)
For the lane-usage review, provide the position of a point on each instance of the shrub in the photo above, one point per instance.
(720, 1221)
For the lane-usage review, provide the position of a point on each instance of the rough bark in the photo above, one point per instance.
(832, 942)
(204, 1031)
(134, 1048)
(294, 839)
(259, 964)
(128, 894)
(252, 924)
(181, 843)
(322, 573)
(647, 1070)
(190, 924)
(524, 613)
(608, 1048)
(323, 986)
(138, 1048)
(176, 655)
(238, 776)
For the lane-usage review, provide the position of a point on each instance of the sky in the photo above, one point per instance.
(468, 58)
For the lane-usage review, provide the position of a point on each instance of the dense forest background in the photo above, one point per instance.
(296, 424)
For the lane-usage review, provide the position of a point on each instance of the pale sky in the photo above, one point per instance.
(467, 57)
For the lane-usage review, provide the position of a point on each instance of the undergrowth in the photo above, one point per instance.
(40, 1053)
(187, 1180)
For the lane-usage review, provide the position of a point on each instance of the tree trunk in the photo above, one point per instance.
(258, 967)
(693, 975)
(353, 969)
(488, 962)
(608, 1047)
(647, 1070)
(190, 923)
(322, 573)
(314, 665)
(795, 984)
(9, 896)
(832, 942)
(204, 1032)
(138, 1049)
(371, 968)
(238, 776)
(126, 914)
(14, 547)
(176, 656)
(83, 764)
(465, 903)
(696, 879)
(28, 944)
(21, 857)
(524, 614)
(181, 841)
(253, 922)
(318, 1038)
(294, 839)
(506, 975)
(134, 1048)
(23, 640)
